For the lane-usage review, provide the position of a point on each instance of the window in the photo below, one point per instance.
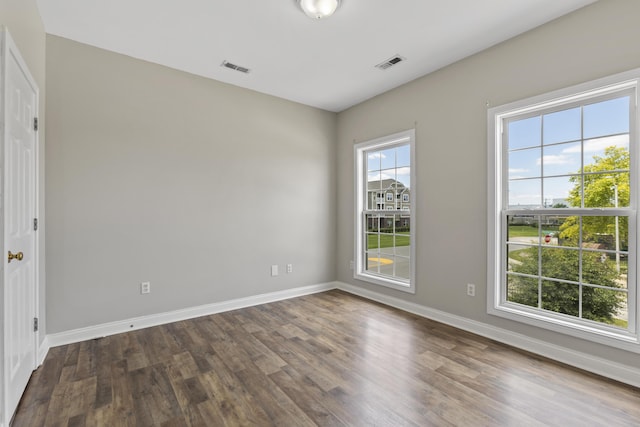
(384, 237)
(562, 215)
(405, 197)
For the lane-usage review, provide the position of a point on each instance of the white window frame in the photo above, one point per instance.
(360, 150)
(497, 205)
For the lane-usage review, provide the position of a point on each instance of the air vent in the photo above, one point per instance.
(390, 62)
(235, 67)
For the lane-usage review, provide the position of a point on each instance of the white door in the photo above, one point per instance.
(19, 258)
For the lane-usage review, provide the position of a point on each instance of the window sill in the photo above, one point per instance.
(389, 283)
(610, 336)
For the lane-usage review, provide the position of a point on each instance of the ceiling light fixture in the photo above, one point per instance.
(318, 9)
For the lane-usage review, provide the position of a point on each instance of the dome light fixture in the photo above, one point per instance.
(318, 9)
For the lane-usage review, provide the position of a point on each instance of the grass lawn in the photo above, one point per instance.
(528, 231)
(386, 240)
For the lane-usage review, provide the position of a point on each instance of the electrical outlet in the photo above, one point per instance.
(274, 270)
(145, 287)
(289, 268)
(351, 265)
(471, 289)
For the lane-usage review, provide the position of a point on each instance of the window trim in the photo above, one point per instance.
(400, 138)
(496, 227)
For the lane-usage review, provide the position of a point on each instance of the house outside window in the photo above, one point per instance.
(563, 192)
(384, 249)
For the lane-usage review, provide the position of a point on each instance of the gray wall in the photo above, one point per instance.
(194, 185)
(449, 110)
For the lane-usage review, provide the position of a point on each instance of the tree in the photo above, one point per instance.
(597, 304)
(601, 182)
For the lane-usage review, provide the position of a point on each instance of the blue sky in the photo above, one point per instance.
(545, 150)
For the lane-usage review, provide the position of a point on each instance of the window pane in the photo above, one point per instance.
(606, 190)
(403, 225)
(375, 199)
(373, 161)
(403, 156)
(560, 263)
(523, 229)
(561, 159)
(598, 269)
(558, 190)
(372, 223)
(403, 267)
(561, 297)
(524, 193)
(607, 117)
(401, 240)
(522, 290)
(388, 158)
(520, 256)
(561, 230)
(595, 149)
(599, 232)
(524, 133)
(598, 303)
(524, 163)
(562, 126)
(373, 242)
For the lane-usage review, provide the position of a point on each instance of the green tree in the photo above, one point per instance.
(597, 304)
(601, 180)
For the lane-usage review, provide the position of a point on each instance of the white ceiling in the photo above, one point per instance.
(327, 64)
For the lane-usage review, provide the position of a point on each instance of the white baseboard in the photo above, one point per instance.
(597, 365)
(43, 349)
(112, 328)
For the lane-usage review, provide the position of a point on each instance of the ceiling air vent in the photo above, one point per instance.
(390, 62)
(234, 67)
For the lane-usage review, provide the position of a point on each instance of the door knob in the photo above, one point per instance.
(17, 256)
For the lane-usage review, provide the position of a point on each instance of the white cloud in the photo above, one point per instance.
(378, 177)
(598, 145)
(376, 155)
(406, 171)
(554, 159)
(518, 170)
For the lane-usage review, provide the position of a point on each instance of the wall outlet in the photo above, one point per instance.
(352, 265)
(145, 287)
(274, 270)
(471, 289)
(289, 268)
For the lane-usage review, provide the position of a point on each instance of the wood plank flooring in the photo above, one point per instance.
(330, 359)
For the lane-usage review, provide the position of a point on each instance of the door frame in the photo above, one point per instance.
(9, 47)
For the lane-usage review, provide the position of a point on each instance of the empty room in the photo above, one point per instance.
(319, 213)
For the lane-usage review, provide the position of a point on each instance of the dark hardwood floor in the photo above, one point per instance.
(330, 359)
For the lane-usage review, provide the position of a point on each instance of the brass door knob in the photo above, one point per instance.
(17, 256)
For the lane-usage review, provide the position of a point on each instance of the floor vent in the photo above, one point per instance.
(390, 62)
(235, 67)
